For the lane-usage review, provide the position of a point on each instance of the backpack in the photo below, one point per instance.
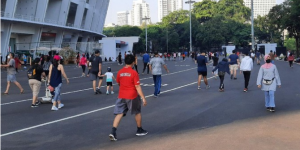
(31, 73)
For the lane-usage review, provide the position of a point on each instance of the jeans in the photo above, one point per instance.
(221, 82)
(146, 65)
(57, 93)
(157, 84)
(269, 99)
(247, 78)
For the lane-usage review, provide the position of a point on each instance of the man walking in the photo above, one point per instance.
(155, 67)
(202, 69)
(146, 60)
(128, 100)
(246, 67)
(234, 61)
(96, 72)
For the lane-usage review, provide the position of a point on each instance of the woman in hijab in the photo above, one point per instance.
(267, 79)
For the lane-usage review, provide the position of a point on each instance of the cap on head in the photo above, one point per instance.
(56, 57)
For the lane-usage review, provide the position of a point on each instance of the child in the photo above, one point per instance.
(222, 68)
(109, 79)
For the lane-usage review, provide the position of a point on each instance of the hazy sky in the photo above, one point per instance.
(123, 5)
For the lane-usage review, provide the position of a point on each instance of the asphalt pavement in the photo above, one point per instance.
(182, 117)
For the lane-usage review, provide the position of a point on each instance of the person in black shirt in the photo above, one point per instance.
(96, 62)
(215, 63)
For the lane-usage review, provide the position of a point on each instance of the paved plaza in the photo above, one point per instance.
(182, 117)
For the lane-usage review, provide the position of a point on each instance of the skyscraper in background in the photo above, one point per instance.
(140, 9)
(167, 6)
(260, 7)
(123, 18)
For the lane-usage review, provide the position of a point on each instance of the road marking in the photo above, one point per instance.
(91, 88)
(83, 114)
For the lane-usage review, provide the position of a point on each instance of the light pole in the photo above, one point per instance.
(190, 2)
(252, 26)
(146, 18)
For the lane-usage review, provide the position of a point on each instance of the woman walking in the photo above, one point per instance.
(46, 66)
(83, 62)
(77, 59)
(35, 82)
(267, 79)
(291, 60)
(223, 68)
(56, 70)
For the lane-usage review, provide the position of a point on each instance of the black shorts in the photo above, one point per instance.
(203, 73)
(94, 77)
(109, 84)
(124, 105)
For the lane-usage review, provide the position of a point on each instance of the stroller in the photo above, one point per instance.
(48, 96)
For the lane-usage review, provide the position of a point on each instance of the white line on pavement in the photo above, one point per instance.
(90, 88)
(86, 113)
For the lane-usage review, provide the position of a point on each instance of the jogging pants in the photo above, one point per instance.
(291, 63)
(83, 68)
(269, 99)
(146, 65)
(135, 66)
(157, 84)
(247, 78)
(221, 82)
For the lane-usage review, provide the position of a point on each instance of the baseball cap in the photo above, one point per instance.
(56, 57)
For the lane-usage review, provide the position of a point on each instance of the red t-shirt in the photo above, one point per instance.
(128, 79)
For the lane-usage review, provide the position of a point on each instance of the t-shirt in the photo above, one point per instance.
(39, 71)
(146, 58)
(252, 55)
(233, 59)
(156, 64)
(128, 79)
(11, 69)
(201, 61)
(96, 60)
(109, 76)
(257, 54)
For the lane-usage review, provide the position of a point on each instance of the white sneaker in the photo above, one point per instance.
(60, 105)
(107, 92)
(112, 92)
(54, 108)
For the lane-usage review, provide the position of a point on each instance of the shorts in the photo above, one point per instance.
(109, 84)
(203, 73)
(234, 67)
(95, 77)
(35, 86)
(124, 105)
(11, 78)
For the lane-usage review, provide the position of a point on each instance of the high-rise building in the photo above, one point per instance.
(140, 9)
(260, 7)
(167, 6)
(123, 17)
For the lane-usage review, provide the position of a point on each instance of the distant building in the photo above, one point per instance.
(140, 9)
(123, 18)
(110, 25)
(167, 6)
(261, 7)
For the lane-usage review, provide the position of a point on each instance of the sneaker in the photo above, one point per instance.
(107, 92)
(60, 105)
(34, 105)
(245, 90)
(207, 87)
(272, 109)
(112, 92)
(54, 108)
(38, 103)
(98, 91)
(141, 132)
(234, 78)
(199, 88)
(268, 108)
(231, 76)
(155, 96)
(113, 137)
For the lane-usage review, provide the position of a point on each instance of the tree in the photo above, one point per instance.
(290, 44)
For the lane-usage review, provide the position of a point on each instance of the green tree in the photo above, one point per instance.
(290, 44)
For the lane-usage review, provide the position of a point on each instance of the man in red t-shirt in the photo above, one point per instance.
(128, 99)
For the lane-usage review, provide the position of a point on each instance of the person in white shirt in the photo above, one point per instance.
(179, 54)
(109, 80)
(252, 55)
(246, 67)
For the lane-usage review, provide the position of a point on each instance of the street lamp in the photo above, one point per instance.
(146, 18)
(252, 26)
(190, 2)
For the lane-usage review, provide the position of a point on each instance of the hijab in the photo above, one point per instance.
(266, 65)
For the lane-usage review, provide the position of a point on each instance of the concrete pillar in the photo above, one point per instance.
(41, 9)
(36, 38)
(5, 37)
(84, 43)
(63, 14)
(79, 14)
(10, 8)
(74, 40)
(59, 39)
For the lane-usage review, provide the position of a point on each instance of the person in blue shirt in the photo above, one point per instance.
(235, 62)
(146, 60)
(202, 62)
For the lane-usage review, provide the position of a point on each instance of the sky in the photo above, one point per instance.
(123, 5)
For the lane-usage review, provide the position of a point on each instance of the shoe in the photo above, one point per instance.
(38, 103)
(107, 92)
(234, 78)
(141, 132)
(231, 76)
(98, 91)
(272, 109)
(34, 105)
(54, 108)
(268, 108)
(199, 88)
(60, 106)
(155, 96)
(112, 92)
(207, 87)
(245, 90)
(113, 137)
(221, 90)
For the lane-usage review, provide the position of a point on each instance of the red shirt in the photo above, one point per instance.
(83, 61)
(128, 79)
